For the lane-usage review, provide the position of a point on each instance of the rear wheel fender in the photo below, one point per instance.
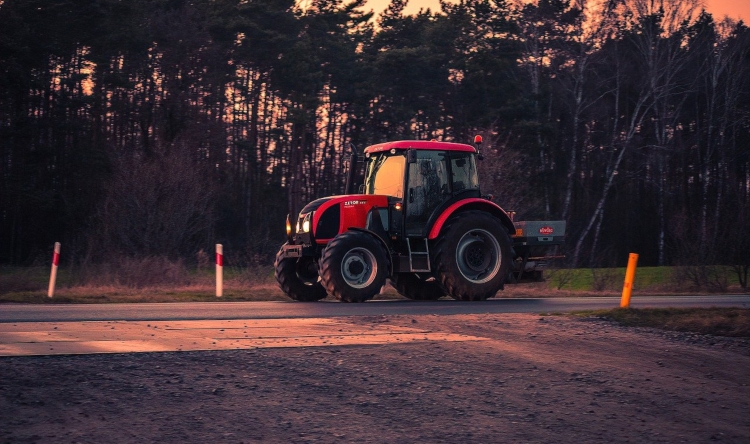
(474, 204)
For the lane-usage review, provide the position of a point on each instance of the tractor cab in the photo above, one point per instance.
(422, 178)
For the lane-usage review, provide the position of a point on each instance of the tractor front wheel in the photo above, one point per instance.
(410, 286)
(298, 278)
(472, 256)
(353, 266)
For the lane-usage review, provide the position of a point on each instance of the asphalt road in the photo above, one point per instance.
(278, 310)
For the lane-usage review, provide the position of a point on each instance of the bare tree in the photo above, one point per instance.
(161, 205)
(654, 41)
(587, 34)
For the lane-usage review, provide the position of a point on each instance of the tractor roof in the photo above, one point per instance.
(419, 145)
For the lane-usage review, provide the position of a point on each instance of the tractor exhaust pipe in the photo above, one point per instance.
(352, 170)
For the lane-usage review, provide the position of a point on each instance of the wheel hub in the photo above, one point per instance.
(359, 267)
(478, 256)
(356, 267)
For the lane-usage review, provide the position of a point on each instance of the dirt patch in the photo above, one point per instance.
(76, 338)
(535, 379)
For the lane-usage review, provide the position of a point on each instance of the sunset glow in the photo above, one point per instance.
(734, 9)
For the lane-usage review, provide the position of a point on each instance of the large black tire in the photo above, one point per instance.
(410, 286)
(298, 278)
(354, 266)
(472, 256)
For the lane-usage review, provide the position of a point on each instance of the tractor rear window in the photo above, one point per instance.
(385, 175)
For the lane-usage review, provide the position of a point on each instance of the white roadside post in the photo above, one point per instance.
(53, 273)
(219, 270)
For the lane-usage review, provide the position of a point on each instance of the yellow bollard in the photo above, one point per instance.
(629, 278)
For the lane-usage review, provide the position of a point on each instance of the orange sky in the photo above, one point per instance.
(736, 9)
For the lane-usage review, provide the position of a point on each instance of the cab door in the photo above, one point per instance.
(427, 187)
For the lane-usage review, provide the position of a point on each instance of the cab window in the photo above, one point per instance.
(385, 175)
(464, 172)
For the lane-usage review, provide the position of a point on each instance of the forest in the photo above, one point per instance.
(161, 127)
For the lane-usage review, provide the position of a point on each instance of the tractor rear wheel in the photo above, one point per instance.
(472, 256)
(298, 278)
(354, 266)
(410, 286)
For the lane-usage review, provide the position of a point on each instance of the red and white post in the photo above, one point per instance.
(53, 273)
(219, 270)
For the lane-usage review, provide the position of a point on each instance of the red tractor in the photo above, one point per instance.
(420, 222)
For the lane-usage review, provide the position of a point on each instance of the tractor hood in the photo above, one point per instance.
(314, 205)
(336, 214)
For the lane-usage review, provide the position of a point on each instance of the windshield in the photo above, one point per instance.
(385, 175)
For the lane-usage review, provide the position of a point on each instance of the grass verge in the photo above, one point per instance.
(106, 295)
(160, 280)
(118, 295)
(733, 322)
(648, 280)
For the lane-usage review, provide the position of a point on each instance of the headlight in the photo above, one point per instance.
(288, 226)
(303, 224)
(306, 222)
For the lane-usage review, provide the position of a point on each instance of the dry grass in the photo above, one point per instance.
(14, 280)
(546, 290)
(116, 294)
(148, 272)
(151, 279)
(734, 322)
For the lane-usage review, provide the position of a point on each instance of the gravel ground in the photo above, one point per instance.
(537, 379)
